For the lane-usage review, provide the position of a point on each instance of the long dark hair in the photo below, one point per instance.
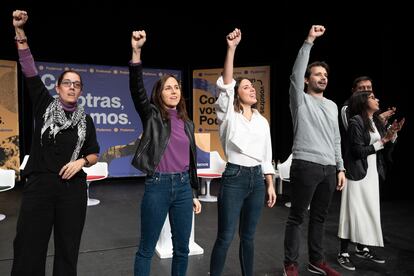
(156, 98)
(236, 103)
(358, 105)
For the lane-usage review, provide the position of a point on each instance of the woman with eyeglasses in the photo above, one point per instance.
(365, 142)
(167, 154)
(54, 196)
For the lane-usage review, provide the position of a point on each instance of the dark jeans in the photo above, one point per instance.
(312, 184)
(49, 202)
(165, 193)
(241, 196)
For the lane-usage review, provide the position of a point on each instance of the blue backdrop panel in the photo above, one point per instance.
(107, 99)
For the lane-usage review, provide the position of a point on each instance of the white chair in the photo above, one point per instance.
(284, 169)
(217, 167)
(284, 174)
(96, 172)
(7, 181)
(164, 247)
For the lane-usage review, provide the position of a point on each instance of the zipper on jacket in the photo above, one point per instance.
(165, 146)
(142, 150)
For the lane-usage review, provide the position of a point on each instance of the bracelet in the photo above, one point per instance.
(20, 40)
(86, 161)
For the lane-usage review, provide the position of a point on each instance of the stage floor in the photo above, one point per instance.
(111, 235)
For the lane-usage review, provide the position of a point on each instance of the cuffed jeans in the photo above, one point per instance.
(241, 196)
(165, 193)
(312, 184)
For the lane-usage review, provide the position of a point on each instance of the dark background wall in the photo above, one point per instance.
(361, 39)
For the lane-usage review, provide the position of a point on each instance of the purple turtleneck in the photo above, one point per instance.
(68, 107)
(27, 63)
(176, 157)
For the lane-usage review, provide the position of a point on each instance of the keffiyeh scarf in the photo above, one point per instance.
(55, 118)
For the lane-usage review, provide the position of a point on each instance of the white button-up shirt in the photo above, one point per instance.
(246, 143)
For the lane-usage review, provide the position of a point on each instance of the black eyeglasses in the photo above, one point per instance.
(68, 83)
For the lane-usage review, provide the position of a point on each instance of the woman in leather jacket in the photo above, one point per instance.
(366, 139)
(167, 154)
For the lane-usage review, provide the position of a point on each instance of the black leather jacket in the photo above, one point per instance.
(358, 149)
(156, 132)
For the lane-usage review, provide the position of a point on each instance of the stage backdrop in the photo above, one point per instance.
(107, 99)
(205, 94)
(203, 150)
(9, 117)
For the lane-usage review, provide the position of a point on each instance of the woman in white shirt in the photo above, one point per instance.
(245, 136)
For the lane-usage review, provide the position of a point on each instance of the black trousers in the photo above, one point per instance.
(48, 203)
(312, 185)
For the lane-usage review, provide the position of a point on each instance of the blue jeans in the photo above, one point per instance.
(312, 184)
(165, 193)
(242, 196)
